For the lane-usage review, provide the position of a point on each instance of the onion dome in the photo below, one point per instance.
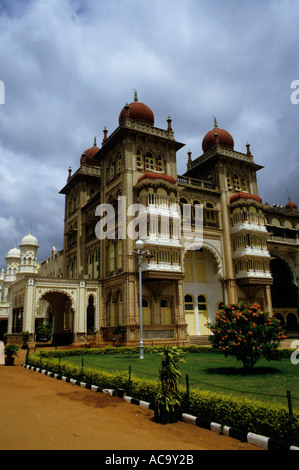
(291, 205)
(29, 240)
(217, 136)
(14, 253)
(241, 195)
(137, 111)
(154, 176)
(87, 155)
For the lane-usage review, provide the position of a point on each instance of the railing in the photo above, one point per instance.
(196, 182)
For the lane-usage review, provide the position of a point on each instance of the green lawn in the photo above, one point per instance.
(210, 371)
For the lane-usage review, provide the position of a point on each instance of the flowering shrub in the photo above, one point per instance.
(246, 333)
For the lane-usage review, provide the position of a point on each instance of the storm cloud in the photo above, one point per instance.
(69, 67)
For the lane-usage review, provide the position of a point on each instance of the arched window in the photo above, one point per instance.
(244, 184)
(119, 308)
(146, 312)
(90, 313)
(202, 302)
(229, 181)
(189, 303)
(237, 182)
(159, 163)
(139, 160)
(149, 162)
(183, 201)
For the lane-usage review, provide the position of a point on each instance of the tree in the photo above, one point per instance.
(247, 333)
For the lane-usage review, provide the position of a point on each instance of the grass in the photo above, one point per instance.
(267, 381)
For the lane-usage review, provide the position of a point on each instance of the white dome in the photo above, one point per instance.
(29, 240)
(14, 253)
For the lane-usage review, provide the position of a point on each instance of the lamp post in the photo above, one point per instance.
(140, 252)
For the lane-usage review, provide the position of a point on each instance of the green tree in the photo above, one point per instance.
(169, 375)
(247, 333)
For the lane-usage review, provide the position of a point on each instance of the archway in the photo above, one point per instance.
(292, 324)
(62, 311)
(202, 288)
(284, 292)
(90, 313)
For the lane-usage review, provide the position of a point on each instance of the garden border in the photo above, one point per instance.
(251, 438)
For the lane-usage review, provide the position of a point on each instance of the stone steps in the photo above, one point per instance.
(200, 340)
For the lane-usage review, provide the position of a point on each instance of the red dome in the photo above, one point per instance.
(87, 155)
(217, 137)
(152, 175)
(137, 112)
(291, 205)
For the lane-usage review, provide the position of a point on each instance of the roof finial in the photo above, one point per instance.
(95, 141)
(215, 123)
(135, 95)
(248, 149)
(169, 124)
(105, 133)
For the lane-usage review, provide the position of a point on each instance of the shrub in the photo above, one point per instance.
(239, 413)
(246, 333)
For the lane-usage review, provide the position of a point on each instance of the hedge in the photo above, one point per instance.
(240, 413)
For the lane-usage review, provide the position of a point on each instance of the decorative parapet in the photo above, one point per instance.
(225, 152)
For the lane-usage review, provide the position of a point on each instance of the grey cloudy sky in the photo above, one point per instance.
(69, 66)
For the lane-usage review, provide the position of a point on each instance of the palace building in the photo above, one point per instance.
(248, 250)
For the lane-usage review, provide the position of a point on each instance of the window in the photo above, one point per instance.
(112, 170)
(175, 257)
(162, 199)
(119, 164)
(189, 304)
(202, 302)
(159, 163)
(229, 181)
(237, 182)
(244, 184)
(139, 160)
(151, 197)
(149, 162)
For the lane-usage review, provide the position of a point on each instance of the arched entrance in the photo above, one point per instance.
(62, 312)
(284, 293)
(292, 324)
(90, 314)
(202, 289)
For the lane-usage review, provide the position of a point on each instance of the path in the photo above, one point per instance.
(41, 413)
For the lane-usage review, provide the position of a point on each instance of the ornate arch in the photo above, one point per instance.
(289, 263)
(212, 250)
(55, 291)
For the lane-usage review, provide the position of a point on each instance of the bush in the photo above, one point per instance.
(239, 413)
(246, 333)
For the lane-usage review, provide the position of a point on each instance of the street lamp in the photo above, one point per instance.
(139, 245)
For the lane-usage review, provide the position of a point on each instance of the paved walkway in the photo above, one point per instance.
(41, 413)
